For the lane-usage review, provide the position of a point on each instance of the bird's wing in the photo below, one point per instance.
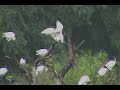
(59, 26)
(108, 64)
(55, 34)
(48, 31)
(80, 82)
(58, 37)
(11, 34)
(102, 71)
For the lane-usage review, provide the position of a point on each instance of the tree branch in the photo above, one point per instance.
(51, 48)
(56, 74)
(70, 62)
(79, 45)
(52, 54)
(24, 71)
(44, 58)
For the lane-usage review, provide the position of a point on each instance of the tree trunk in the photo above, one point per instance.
(70, 62)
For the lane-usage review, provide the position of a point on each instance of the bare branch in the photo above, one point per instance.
(51, 48)
(52, 54)
(79, 45)
(37, 61)
(70, 62)
(44, 58)
(24, 71)
(56, 74)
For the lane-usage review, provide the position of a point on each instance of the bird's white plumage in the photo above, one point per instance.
(3, 71)
(48, 31)
(40, 69)
(10, 36)
(59, 38)
(102, 72)
(55, 33)
(59, 26)
(42, 52)
(58, 33)
(22, 61)
(83, 80)
(110, 64)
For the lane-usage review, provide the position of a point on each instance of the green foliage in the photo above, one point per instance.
(98, 25)
(88, 64)
(46, 78)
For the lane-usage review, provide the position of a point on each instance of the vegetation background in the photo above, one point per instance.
(97, 25)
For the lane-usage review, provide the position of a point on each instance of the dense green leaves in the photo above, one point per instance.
(98, 25)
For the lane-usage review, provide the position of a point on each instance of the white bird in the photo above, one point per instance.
(40, 69)
(42, 52)
(58, 37)
(111, 64)
(102, 72)
(59, 26)
(10, 36)
(22, 61)
(3, 71)
(48, 31)
(83, 80)
(55, 33)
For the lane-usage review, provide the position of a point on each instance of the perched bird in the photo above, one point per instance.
(48, 31)
(59, 26)
(111, 63)
(10, 36)
(55, 33)
(111, 58)
(42, 52)
(22, 61)
(58, 37)
(102, 72)
(3, 71)
(83, 80)
(40, 69)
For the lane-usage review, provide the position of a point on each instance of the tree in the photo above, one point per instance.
(97, 25)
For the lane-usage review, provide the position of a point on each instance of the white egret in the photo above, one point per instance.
(10, 36)
(3, 71)
(83, 80)
(111, 64)
(48, 31)
(40, 69)
(59, 26)
(55, 33)
(42, 52)
(102, 72)
(58, 37)
(22, 61)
